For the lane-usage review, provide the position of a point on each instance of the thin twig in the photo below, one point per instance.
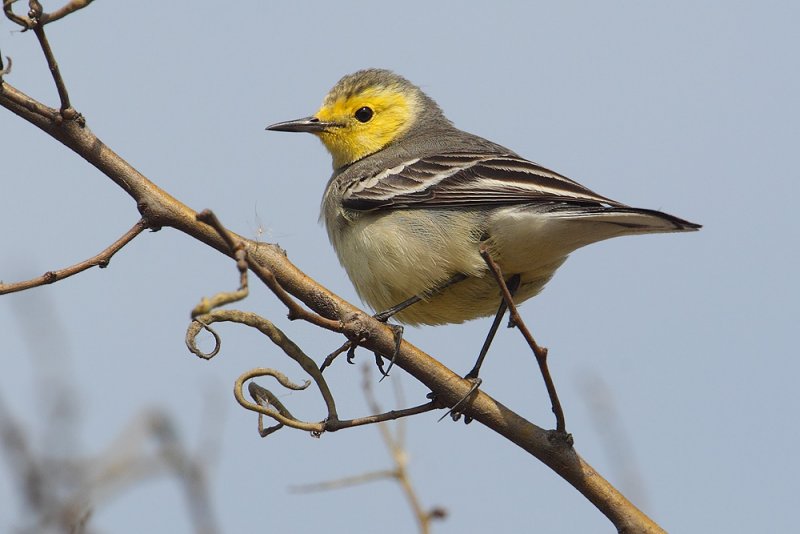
(66, 109)
(268, 277)
(63, 11)
(5, 69)
(25, 22)
(38, 16)
(36, 21)
(100, 260)
(343, 482)
(211, 219)
(295, 310)
(539, 352)
(206, 304)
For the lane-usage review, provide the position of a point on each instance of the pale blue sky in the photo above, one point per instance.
(689, 108)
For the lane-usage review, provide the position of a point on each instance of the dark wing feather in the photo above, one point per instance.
(466, 179)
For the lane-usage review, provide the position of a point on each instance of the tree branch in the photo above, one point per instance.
(100, 260)
(36, 15)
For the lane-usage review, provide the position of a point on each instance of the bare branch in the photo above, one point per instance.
(295, 310)
(100, 260)
(37, 15)
(66, 109)
(36, 21)
(66, 9)
(206, 305)
(26, 107)
(232, 240)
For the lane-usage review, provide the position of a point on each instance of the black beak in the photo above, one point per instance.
(306, 124)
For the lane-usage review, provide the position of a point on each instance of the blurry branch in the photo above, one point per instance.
(100, 260)
(62, 492)
(123, 467)
(395, 444)
(609, 425)
(159, 209)
(59, 486)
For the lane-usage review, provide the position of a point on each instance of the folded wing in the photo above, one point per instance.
(467, 179)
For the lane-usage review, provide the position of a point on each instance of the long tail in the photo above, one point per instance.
(631, 220)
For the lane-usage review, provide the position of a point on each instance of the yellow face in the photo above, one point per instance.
(366, 122)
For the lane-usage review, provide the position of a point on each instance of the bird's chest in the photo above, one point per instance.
(392, 255)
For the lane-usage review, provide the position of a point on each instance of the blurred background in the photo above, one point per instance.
(674, 355)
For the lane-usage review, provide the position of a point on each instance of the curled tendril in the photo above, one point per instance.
(267, 403)
(191, 339)
(268, 407)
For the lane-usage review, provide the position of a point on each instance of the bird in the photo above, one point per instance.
(413, 200)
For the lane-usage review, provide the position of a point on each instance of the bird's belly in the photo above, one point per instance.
(393, 256)
(470, 299)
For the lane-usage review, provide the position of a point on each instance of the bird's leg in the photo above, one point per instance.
(397, 329)
(513, 285)
(472, 376)
(397, 308)
(538, 351)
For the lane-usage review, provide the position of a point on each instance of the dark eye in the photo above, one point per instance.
(364, 114)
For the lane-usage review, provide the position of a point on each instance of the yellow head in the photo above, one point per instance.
(363, 113)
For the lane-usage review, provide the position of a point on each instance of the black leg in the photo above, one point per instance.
(538, 351)
(513, 285)
(384, 317)
(398, 330)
